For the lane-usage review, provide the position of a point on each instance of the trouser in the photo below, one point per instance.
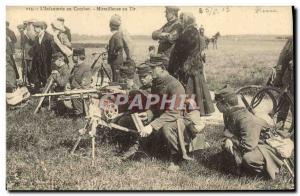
(115, 73)
(11, 81)
(170, 133)
(26, 71)
(253, 162)
(14, 66)
(128, 139)
(78, 106)
(285, 107)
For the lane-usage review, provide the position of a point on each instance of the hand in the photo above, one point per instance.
(54, 72)
(228, 146)
(163, 35)
(146, 131)
(143, 116)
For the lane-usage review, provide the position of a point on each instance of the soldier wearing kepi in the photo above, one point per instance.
(144, 72)
(167, 120)
(168, 34)
(245, 136)
(60, 75)
(80, 78)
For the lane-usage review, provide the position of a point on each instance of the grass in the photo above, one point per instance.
(38, 146)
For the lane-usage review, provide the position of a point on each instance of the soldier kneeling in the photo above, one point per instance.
(245, 137)
(60, 75)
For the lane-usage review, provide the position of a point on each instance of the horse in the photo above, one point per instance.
(214, 40)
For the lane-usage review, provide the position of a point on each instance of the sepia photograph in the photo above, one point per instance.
(150, 98)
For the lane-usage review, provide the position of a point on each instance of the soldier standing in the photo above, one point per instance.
(80, 78)
(117, 44)
(244, 136)
(284, 78)
(168, 34)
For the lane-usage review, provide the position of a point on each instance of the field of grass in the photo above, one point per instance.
(38, 146)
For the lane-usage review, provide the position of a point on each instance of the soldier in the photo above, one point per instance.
(127, 75)
(80, 78)
(116, 46)
(284, 78)
(244, 136)
(60, 74)
(168, 120)
(168, 34)
(67, 30)
(144, 72)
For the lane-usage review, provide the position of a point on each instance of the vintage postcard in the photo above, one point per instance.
(159, 98)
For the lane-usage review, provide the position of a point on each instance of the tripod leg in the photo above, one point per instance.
(76, 144)
(93, 148)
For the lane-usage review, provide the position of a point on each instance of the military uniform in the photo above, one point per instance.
(173, 28)
(116, 46)
(246, 131)
(80, 78)
(285, 76)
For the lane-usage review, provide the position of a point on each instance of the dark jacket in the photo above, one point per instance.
(116, 46)
(81, 76)
(284, 68)
(68, 33)
(62, 78)
(42, 55)
(186, 64)
(247, 130)
(170, 86)
(174, 28)
(11, 40)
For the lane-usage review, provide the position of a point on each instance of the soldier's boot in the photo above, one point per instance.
(130, 152)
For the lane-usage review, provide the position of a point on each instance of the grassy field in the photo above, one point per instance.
(38, 146)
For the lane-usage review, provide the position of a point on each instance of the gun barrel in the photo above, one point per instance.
(72, 92)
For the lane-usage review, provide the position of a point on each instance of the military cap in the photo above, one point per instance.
(29, 21)
(115, 20)
(157, 60)
(21, 26)
(129, 63)
(57, 55)
(39, 24)
(127, 72)
(172, 9)
(144, 70)
(225, 93)
(78, 51)
(61, 19)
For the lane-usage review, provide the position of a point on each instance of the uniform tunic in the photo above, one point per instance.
(116, 46)
(174, 28)
(247, 129)
(80, 78)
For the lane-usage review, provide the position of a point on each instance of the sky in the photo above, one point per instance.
(144, 20)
